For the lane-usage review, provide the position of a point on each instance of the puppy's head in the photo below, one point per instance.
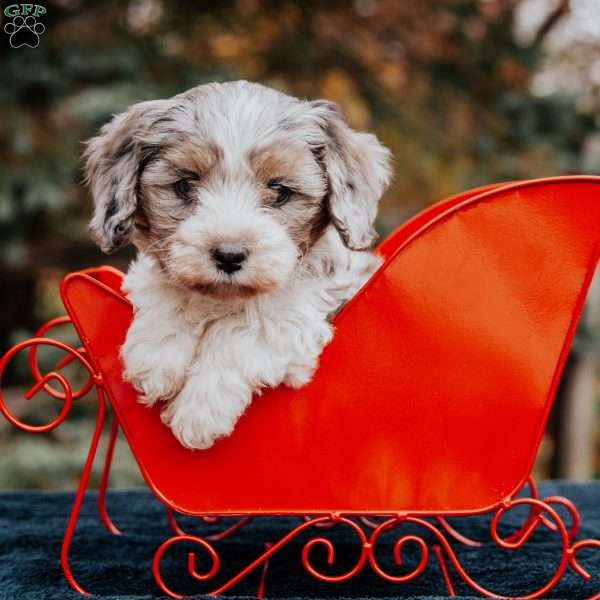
(229, 185)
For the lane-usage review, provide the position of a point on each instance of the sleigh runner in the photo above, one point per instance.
(430, 401)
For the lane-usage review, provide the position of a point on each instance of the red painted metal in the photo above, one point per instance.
(172, 521)
(79, 495)
(106, 520)
(444, 570)
(42, 382)
(456, 535)
(443, 369)
(61, 364)
(260, 593)
(451, 556)
(212, 537)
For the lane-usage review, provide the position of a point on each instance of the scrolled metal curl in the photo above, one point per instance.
(534, 512)
(328, 545)
(191, 562)
(401, 542)
(65, 394)
(571, 510)
(508, 543)
(265, 556)
(574, 563)
(61, 364)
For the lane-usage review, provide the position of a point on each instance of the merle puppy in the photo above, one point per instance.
(252, 212)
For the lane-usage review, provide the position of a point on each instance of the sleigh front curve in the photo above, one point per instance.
(430, 401)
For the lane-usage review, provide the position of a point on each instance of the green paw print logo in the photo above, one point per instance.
(24, 29)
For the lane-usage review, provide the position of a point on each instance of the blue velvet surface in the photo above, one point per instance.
(32, 527)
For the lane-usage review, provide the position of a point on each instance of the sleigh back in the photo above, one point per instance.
(434, 393)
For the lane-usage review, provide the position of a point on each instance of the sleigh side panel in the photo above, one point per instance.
(390, 244)
(432, 396)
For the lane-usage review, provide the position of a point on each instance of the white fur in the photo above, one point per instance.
(211, 356)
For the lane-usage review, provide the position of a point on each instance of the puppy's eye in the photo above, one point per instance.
(283, 193)
(183, 188)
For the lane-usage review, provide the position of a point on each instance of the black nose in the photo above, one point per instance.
(229, 257)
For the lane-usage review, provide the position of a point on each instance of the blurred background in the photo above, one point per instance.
(464, 92)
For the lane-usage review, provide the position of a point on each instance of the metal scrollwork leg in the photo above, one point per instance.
(544, 514)
(79, 495)
(449, 553)
(263, 558)
(541, 512)
(106, 520)
(65, 394)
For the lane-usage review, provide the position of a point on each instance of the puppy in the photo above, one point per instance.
(253, 213)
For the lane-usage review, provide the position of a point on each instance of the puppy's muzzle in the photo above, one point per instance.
(229, 258)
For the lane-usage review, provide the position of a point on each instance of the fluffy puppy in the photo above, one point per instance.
(253, 214)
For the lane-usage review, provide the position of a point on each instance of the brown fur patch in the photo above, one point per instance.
(184, 158)
(161, 208)
(274, 163)
(305, 215)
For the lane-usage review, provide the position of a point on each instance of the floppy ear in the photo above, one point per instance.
(112, 166)
(358, 171)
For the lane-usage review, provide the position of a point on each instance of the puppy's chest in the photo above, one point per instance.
(262, 323)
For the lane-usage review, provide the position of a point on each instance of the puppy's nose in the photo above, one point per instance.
(229, 257)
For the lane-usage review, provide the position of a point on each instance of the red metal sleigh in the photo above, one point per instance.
(430, 402)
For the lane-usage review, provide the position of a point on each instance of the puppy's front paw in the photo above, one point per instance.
(195, 424)
(154, 386)
(298, 376)
(301, 370)
(156, 375)
(207, 408)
